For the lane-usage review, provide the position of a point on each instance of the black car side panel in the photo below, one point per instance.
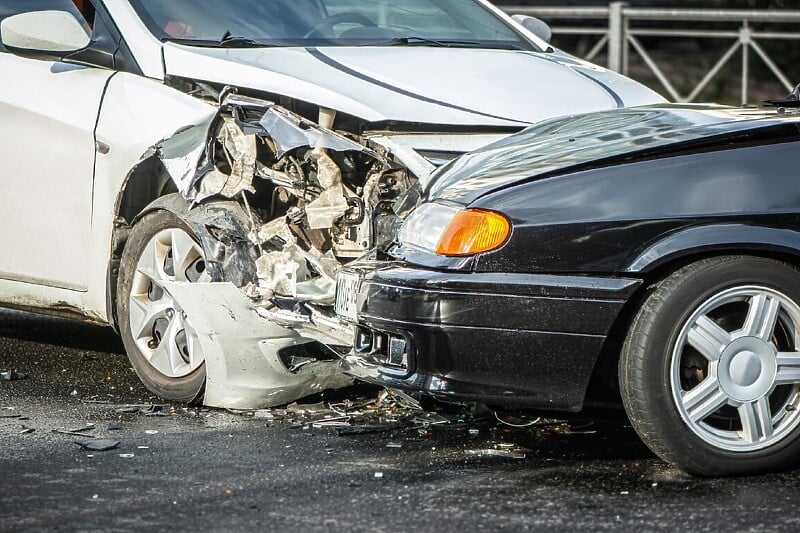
(717, 238)
(612, 220)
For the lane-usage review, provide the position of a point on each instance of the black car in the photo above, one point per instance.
(649, 253)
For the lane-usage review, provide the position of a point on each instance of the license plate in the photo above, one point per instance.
(347, 285)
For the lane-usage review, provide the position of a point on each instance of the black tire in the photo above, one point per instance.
(187, 389)
(645, 366)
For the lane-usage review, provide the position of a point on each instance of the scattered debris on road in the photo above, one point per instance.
(98, 445)
(13, 375)
(507, 453)
(77, 432)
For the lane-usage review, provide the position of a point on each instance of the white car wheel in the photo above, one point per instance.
(161, 344)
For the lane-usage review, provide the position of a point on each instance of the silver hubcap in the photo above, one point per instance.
(736, 369)
(158, 325)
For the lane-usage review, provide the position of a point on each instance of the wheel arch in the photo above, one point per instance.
(222, 227)
(659, 261)
(145, 183)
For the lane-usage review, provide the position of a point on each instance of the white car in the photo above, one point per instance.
(194, 172)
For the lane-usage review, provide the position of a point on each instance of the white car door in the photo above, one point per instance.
(48, 112)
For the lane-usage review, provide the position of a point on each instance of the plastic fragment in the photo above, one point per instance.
(492, 452)
(98, 445)
(13, 375)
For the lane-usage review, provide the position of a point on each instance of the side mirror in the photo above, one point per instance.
(44, 34)
(536, 26)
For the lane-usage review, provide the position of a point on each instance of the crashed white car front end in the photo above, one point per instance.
(276, 162)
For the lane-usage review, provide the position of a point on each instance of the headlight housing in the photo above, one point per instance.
(454, 231)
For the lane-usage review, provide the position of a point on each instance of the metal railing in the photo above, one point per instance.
(622, 31)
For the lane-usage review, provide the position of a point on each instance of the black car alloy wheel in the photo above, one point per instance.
(710, 371)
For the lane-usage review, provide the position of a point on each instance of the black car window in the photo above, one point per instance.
(14, 7)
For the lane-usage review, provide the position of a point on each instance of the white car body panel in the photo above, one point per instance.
(48, 152)
(414, 84)
(226, 323)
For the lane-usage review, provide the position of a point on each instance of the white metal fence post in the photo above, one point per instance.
(617, 40)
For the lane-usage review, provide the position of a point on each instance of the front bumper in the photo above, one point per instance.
(524, 340)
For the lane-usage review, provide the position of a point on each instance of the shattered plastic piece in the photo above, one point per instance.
(277, 274)
(12, 375)
(226, 322)
(517, 423)
(72, 433)
(400, 398)
(367, 429)
(181, 152)
(326, 209)
(98, 445)
(289, 131)
(240, 153)
(378, 475)
(267, 232)
(141, 408)
(491, 452)
(334, 421)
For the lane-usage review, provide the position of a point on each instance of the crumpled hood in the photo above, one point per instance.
(568, 144)
(447, 86)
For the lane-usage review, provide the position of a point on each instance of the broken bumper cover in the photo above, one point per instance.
(522, 340)
(244, 369)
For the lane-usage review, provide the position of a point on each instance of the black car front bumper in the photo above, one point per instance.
(524, 340)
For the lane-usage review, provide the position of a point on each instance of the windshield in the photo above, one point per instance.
(461, 23)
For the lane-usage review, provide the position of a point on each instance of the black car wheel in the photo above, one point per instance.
(710, 370)
(160, 343)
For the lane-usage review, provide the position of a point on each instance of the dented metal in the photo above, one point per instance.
(279, 204)
(243, 366)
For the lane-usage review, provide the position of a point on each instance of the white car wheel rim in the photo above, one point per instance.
(158, 325)
(735, 369)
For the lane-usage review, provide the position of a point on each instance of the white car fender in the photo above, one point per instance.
(136, 117)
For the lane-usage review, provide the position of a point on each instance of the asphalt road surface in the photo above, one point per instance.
(211, 470)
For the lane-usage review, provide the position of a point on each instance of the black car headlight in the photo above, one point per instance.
(452, 231)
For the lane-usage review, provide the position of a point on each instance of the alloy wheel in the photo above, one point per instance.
(735, 369)
(157, 323)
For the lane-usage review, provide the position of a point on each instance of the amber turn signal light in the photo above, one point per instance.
(474, 231)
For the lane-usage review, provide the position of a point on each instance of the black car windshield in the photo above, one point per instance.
(246, 23)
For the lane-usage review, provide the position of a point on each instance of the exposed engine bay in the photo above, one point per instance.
(279, 203)
(314, 199)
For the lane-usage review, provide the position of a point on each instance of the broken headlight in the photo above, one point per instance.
(454, 232)
(425, 225)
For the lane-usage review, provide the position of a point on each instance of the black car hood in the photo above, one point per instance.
(596, 139)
